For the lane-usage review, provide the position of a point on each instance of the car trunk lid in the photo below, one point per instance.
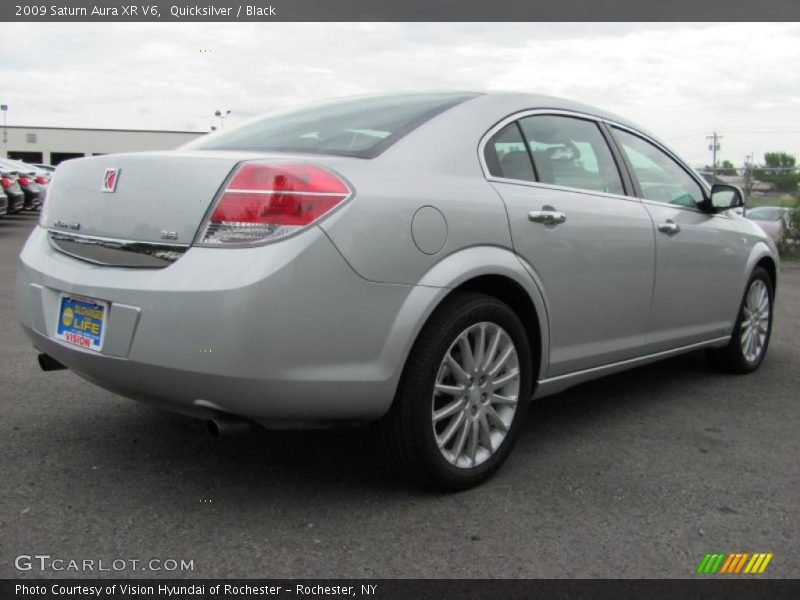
(154, 197)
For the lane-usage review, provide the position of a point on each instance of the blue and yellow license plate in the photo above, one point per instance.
(81, 321)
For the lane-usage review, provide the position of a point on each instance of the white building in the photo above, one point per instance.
(52, 145)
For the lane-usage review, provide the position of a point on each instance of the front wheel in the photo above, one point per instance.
(750, 338)
(463, 394)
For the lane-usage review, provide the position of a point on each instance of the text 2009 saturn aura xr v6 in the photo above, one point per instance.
(427, 262)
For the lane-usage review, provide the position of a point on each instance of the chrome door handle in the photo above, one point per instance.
(548, 217)
(669, 227)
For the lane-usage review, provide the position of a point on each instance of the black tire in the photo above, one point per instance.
(731, 358)
(407, 430)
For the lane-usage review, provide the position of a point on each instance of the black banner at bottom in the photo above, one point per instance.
(398, 589)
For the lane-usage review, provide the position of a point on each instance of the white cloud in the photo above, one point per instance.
(679, 80)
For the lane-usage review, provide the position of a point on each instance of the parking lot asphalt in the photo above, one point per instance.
(636, 475)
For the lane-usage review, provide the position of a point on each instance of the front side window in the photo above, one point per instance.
(660, 177)
(571, 152)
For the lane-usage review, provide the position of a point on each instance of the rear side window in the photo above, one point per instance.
(506, 155)
(362, 127)
(571, 152)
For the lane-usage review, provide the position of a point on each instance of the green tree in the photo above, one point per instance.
(780, 169)
(727, 168)
(790, 242)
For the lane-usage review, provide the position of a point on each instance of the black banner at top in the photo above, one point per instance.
(398, 10)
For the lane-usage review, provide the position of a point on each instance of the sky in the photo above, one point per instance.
(679, 81)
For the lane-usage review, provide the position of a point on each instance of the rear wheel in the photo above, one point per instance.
(750, 338)
(463, 394)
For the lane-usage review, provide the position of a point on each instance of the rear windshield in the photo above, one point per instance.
(362, 127)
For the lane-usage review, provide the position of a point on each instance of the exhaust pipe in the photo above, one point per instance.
(225, 426)
(48, 363)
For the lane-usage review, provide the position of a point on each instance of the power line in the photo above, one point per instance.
(737, 131)
(688, 135)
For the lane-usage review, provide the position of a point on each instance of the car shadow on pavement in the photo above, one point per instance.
(149, 445)
(603, 397)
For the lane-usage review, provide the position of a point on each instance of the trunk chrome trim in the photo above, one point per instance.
(116, 253)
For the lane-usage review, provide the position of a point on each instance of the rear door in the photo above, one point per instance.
(590, 245)
(700, 257)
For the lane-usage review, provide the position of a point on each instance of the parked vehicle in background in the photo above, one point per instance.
(33, 181)
(774, 220)
(3, 202)
(427, 262)
(48, 168)
(32, 191)
(14, 193)
(42, 177)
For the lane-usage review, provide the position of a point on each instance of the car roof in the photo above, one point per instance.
(532, 101)
(487, 108)
(451, 140)
(19, 165)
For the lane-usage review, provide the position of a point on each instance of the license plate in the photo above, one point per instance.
(81, 321)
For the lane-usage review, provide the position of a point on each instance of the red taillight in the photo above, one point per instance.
(41, 180)
(266, 202)
(24, 181)
(6, 182)
(286, 177)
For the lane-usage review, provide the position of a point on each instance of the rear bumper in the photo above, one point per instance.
(32, 198)
(15, 202)
(278, 401)
(279, 334)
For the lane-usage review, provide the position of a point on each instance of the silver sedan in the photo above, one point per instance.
(774, 220)
(427, 263)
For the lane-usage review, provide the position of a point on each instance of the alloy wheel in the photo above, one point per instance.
(475, 395)
(755, 321)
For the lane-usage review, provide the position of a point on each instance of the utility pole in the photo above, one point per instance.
(748, 175)
(714, 147)
(4, 108)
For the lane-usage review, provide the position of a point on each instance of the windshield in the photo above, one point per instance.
(363, 127)
(766, 213)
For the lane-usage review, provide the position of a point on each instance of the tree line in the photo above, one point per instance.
(779, 168)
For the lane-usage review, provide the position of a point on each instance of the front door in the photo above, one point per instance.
(699, 256)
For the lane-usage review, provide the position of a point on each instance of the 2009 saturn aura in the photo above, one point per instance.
(430, 262)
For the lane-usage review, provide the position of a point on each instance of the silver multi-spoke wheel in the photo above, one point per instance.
(476, 394)
(463, 395)
(755, 321)
(747, 347)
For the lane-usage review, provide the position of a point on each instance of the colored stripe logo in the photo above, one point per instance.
(735, 563)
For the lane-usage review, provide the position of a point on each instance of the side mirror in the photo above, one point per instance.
(725, 197)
